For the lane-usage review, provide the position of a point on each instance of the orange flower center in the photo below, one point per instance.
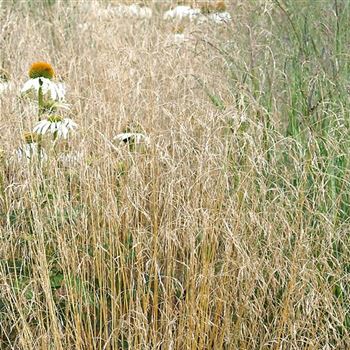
(41, 69)
(220, 6)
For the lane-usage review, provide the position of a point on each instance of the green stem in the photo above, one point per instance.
(40, 100)
(40, 112)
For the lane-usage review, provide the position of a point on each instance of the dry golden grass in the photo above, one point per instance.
(199, 241)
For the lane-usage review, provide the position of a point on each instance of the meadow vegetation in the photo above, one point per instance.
(229, 230)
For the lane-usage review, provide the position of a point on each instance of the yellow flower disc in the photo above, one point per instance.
(54, 118)
(41, 69)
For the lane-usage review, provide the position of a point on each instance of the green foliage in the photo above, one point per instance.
(299, 83)
(297, 79)
(216, 100)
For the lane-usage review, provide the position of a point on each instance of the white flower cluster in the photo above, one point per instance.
(182, 12)
(220, 17)
(178, 13)
(49, 96)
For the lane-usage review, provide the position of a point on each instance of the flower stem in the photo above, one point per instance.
(40, 100)
(40, 112)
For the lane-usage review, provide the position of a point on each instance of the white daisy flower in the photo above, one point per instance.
(180, 12)
(55, 125)
(220, 17)
(57, 91)
(31, 151)
(131, 137)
